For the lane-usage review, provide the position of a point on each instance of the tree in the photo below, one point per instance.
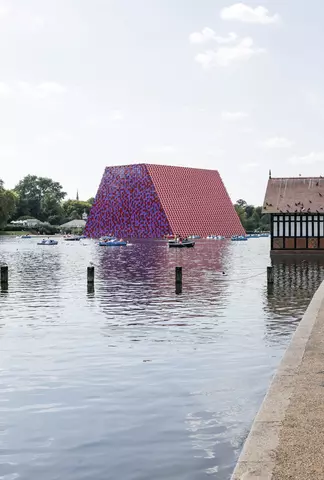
(241, 203)
(35, 194)
(91, 200)
(8, 201)
(52, 210)
(74, 209)
(251, 217)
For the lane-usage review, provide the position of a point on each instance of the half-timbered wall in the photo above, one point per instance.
(297, 231)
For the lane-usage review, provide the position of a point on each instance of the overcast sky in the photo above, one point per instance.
(215, 84)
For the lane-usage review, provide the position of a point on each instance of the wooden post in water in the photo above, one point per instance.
(270, 275)
(90, 275)
(178, 279)
(4, 277)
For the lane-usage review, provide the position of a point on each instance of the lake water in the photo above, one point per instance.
(132, 381)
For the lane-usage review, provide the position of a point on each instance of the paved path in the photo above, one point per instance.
(287, 437)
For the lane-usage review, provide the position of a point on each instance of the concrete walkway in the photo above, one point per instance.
(287, 437)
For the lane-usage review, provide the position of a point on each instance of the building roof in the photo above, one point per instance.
(74, 224)
(195, 200)
(294, 195)
(149, 201)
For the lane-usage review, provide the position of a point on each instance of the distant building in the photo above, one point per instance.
(29, 222)
(74, 224)
(296, 208)
(150, 201)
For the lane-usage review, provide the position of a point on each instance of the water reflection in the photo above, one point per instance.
(295, 281)
(139, 282)
(130, 378)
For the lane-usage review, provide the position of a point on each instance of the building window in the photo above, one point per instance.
(287, 229)
(315, 230)
(303, 234)
(280, 229)
(310, 226)
(298, 234)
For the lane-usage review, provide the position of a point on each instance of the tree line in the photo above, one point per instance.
(40, 198)
(252, 218)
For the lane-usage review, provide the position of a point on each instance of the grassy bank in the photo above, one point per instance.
(14, 233)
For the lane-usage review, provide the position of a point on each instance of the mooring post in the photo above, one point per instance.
(4, 276)
(178, 279)
(90, 275)
(270, 275)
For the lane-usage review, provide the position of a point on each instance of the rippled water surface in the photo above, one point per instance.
(132, 381)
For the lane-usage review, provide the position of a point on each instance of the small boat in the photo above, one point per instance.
(113, 243)
(106, 238)
(215, 237)
(239, 238)
(72, 239)
(253, 235)
(263, 235)
(50, 241)
(25, 236)
(181, 244)
(194, 236)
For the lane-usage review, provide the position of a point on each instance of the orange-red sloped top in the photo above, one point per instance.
(195, 201)
(294, 195)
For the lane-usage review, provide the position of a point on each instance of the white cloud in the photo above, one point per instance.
(5, 90)
(247, 130)
(18, 19)
(249, 166)
(278, 142)
(3, 12)
(112, 117)
(310, 158)
(244, 13)
(208, 35)
(164, 149)
(8, 151)
(116, 116)
(215, 152)
(234, 116)
(223, 56)
(49, 88)
(54, 138)
(42, 90)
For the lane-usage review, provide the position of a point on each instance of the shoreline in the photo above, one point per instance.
(277, 446)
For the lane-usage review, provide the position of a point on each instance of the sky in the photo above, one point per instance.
(218, 84)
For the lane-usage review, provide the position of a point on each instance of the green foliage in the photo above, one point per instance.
(73, 209)
(8, 201)
(251, 217)
(42, 199)
(10, 231)
(46, 229)
(39, 197)
(15, 228)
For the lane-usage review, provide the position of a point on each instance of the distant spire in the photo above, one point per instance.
(77, 195)
(269, 173)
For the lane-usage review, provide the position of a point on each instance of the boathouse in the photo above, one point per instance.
(296, 208)
(151, 201)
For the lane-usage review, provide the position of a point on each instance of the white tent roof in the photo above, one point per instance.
(74, 224)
